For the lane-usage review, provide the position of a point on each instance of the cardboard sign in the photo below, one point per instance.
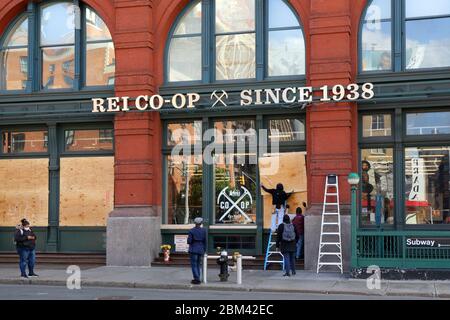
(181, 244)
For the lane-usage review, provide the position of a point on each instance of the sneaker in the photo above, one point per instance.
(195, 281)
(33, 275)
(24, 277)
(287, 274)
(294, 273)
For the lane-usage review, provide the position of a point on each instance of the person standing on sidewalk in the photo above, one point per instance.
(286, 240)
(197, 248)
(26, 248)
(299, 225)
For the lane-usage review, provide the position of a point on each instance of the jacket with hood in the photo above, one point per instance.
(22, 241)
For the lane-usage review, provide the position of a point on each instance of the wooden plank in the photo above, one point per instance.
(24, 191)
(86, 191)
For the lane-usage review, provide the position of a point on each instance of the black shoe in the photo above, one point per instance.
(287, 274)
(294, 273)
(196, 281)
(24, 277)
(34, 275)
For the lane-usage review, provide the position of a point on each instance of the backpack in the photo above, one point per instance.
(288, 232)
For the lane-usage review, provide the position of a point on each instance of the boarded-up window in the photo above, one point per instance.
(86, 191)
(24, 191)
(288, 169)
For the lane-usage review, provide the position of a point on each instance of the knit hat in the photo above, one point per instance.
(198, 220)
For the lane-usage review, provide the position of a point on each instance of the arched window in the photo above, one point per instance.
(405, 35)
(68, 47)
(220, 40)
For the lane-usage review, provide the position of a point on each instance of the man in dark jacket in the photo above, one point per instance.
(279, 198)
(197, 248)
(26, 243)
(299, 224)
(287, 238)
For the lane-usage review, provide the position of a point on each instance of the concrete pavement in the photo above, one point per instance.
(253, 281)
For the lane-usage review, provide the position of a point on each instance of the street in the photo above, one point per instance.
(41, 292)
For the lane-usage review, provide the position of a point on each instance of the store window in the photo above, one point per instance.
(427, 185)
(377, 186)
(65, 60)
(86, 140)
(184, 133)
(24, 141)
(422, 49)
(234, 37)
(286, 130)
(428, 123)
(377, 125)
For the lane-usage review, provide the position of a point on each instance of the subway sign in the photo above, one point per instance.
(221, 98)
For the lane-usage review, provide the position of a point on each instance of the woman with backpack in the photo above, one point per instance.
(287, 238)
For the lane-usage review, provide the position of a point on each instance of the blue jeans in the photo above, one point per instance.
(196, 261)
(27, 257)
(300, 241)
(289, 261)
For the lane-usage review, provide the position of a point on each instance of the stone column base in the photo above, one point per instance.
(313, 220)
(133, 236)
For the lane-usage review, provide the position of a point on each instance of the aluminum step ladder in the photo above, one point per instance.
(271, 252)
(330, 246)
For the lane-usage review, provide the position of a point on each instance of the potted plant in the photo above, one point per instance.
(166, 251)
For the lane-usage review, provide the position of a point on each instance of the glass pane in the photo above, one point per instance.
(89, 140)
(286, 53)
(235, 15)
(427, 177)
(377, 186)
(377, 125)
(235, 188)
(378, 9)
(235, 57)
(285, 130)
(425, 49)
(24, 141)
(14, 69)
(24, 192)
(100, 63)
(191, 22)
(96, 28)
(58, 67)
(86, 191)
(58, 24)
(18, 36)
(184, 194)
(280, 15)
(428, 123)
(420, 8)
(182, 66)
(234, 131)
(376, 46)
(186, 133)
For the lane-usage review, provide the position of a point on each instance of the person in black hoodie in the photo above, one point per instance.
(279, 198)
(26, 243)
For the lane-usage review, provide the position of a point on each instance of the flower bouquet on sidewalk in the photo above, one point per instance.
(166, 251)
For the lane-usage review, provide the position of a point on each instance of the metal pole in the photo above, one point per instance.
(239, 269)
(354, 226)
(205, 268)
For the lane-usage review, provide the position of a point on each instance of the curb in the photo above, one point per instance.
(139, 285)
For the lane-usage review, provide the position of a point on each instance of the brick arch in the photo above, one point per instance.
(10, 9)
(167, 12)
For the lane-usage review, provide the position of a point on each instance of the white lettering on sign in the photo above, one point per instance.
(290, 95)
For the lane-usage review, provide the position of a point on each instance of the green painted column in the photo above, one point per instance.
(53, 200)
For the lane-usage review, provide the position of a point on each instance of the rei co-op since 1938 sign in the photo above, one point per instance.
(219, 98)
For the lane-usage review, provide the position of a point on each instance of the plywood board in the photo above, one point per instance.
(24, 191)
(86, 191)
(286, 168)
(294, 201)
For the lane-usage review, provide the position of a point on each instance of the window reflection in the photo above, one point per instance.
(187, 133)
(377, 186)
(58, 67)
(235, 56)
(24, 141)
(89, 140)
(377, 125)
(100, 58)
(235, 131)
(285, 130)
(427, 176)
(235, 15)
(286, 53)
(184, 179)
(428, 123)
(185, 67)
(58, 24)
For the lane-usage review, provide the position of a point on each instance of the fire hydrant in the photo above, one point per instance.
(222, 261)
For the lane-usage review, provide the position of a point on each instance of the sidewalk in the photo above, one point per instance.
(253, 280)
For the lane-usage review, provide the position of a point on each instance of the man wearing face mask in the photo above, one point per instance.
(26, 244)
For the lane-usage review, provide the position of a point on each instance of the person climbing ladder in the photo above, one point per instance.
(279, 198)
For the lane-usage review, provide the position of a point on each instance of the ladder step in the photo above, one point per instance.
(330, 243)
(331, 213)
(331, 233)
(331, 203)
(330, 253)
(332, 194)
(331, 223)
(330, 263)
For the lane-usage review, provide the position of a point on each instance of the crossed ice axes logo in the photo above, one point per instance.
(219, 98)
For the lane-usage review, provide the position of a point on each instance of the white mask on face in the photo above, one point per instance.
(27, 228)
